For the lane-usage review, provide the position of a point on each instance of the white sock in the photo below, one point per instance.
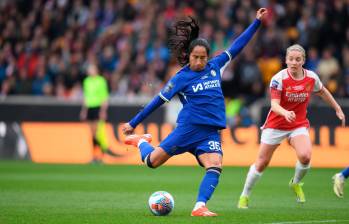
(199, 204)
(340, 176)
(141, 141)
(300, 171)
(251, 179)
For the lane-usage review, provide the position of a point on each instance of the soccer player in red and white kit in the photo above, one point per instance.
(290, 91)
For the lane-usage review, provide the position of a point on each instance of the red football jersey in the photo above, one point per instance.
(294, 95)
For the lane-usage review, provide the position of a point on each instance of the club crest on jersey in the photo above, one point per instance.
(274, 84)
(308, 87)
(213, 73)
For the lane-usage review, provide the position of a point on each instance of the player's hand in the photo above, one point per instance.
(261, 13)
(341, 117)
(290, 116)
(127, 129)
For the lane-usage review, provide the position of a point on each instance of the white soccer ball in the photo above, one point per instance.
(161, 203)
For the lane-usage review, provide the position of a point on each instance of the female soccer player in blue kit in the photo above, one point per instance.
(198, 85)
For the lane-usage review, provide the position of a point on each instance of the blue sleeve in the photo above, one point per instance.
(173, 86)
(148, 109)
(238, 44)
(243, 39)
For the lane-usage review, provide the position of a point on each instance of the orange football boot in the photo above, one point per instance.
(134, 139)
(203, 211)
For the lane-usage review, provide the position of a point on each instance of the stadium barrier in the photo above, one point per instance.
(56, 142)
(47, 129)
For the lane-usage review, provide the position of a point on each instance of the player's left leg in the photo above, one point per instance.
(212, 162)
(302, 145)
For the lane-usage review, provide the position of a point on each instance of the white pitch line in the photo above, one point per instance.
(312, 221)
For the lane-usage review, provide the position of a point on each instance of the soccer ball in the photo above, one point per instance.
(161, 203)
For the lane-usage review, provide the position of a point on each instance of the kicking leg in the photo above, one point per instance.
(152, 157)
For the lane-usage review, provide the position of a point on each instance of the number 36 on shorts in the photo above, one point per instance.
(215, 146)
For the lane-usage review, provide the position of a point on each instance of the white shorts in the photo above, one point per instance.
(272, 136)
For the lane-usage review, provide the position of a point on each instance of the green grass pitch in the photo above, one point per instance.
(43, 193)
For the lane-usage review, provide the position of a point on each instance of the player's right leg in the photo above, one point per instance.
(255, 172)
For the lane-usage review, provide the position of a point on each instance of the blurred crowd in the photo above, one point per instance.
(46, 45)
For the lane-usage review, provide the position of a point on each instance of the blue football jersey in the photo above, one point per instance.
(200, 93)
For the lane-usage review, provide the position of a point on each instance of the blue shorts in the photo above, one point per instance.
(196, 139)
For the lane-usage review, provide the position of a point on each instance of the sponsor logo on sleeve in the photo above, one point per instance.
(274, 84)
(168, 87)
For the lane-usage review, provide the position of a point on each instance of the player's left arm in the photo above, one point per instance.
(247, 35)
(328, 98)
(241, 41)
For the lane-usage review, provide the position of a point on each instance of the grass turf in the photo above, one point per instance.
(43, 193)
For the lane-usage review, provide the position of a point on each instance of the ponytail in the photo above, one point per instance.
(181, 38)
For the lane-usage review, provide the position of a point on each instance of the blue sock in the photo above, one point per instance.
(145, 148)
(209, 184)
(345, 172)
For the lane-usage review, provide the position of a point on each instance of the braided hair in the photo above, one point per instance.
(183, 39)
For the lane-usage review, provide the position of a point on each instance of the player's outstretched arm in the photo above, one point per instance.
(328, 98)
(129, 127)
(240, 42)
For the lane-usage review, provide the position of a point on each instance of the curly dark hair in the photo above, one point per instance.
(183, 39)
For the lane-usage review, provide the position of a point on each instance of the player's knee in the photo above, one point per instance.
(217, 170)
(152, 163)
(305, 158)
(213, 163)
(261, 165)
(149, 163)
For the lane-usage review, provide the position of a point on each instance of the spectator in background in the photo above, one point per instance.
(250, 77)
(122, 34)
(328, 69)
(312, 60)
(23, 85)
(345, 79)
(41, 83)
